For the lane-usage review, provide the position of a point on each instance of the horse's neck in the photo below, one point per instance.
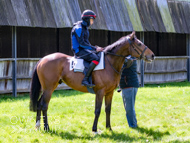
(116, 62)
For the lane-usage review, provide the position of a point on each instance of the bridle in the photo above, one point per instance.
(131, 42)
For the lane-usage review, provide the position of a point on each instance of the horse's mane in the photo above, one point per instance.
(118, 43)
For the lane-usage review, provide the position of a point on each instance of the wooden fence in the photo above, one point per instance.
(163, 69)
(25, 67)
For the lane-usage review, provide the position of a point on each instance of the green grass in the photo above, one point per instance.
(163, 114)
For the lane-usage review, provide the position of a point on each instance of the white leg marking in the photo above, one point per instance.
(37, 125)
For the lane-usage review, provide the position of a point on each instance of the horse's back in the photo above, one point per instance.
(55, 56)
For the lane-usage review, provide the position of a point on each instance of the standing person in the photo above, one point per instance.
(129, 86)
(81, 45)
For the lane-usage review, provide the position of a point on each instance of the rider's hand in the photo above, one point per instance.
(99, 49)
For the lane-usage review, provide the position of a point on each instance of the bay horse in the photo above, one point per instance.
(55, 67)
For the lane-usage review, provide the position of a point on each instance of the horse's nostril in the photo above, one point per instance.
(153, 56)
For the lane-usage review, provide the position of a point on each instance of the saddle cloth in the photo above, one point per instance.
(78, 64)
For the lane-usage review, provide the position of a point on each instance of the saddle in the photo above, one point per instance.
(78, 65)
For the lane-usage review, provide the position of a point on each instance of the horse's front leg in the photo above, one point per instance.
(98, 105)
(108, 101)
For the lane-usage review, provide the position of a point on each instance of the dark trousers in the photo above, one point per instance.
(87, 55)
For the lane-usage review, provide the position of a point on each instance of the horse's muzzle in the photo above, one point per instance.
(150, 58)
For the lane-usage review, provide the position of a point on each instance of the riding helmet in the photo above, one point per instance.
(87, 14)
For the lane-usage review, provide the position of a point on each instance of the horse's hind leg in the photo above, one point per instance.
(46, 126)
(108, 101)
(43, 106)
(45, 103)
(38, 116)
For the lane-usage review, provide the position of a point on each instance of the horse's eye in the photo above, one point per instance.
(139, 44)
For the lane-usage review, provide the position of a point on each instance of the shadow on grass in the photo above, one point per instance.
(157, 135)
(115, 136)
(118, 137)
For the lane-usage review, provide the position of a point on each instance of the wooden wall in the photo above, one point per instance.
(5, 42)
(38, 42)
(166, 44)
(163, 69)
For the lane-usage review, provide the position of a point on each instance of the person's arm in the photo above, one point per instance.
(83, 43)
(79, 34)
(128, 61)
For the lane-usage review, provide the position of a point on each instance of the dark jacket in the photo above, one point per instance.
(79, 36)
(129, 77)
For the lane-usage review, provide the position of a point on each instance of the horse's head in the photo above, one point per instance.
(130, 45)
(138, 49)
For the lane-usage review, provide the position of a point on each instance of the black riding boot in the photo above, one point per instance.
(85, 81)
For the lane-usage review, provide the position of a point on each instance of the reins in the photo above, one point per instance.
(114, 54)
(113, 67)
(78, 57)
(131, 44)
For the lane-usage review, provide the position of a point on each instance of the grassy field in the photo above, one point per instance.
(163, 114)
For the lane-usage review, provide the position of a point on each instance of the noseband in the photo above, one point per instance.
(131, 42)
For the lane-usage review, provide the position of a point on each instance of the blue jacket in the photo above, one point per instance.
(79, 36)
(129, 77)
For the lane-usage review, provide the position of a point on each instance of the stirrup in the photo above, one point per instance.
(88, 84)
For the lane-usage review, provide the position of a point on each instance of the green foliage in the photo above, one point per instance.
(162, 113)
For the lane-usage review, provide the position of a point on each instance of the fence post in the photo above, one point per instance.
(14, 61)
(188, 54)
(142, 61)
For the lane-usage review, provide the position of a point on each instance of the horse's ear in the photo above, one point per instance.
(132, 35)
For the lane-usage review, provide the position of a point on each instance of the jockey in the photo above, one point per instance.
(81, 45)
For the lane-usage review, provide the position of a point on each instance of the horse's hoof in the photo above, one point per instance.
(94, 130)
(119, 90)
(97, 132)
(37, 125)
(109, 128)
(46, 128)
(37, 128)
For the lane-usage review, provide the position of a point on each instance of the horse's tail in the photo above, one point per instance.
(35, 90)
